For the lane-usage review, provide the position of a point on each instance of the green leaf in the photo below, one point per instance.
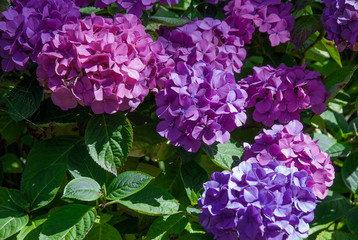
(332, 208)
(338, 185)
(11, 163)
(193, 177)
(350, 172)
(301, 4)
(80, 164)
(226, 155)
(151, 201)
(70, 222)
(324, 235)
(194, 212)
(171, 22)
(333, 51)
(45, 169)
(195, 231)
(316, 229)
(109, 138)
(4, 5)
(170, 180)
(335, 121)
(83, 189)
(165, 225)
(126, 184)
(338, 235)
(304, 27)
(103, 232)
(9, 129)
(24, 99)
(337, 80)
(89, 10)
(351, 219)
(32, 230)
(12, 217)
(331, 145)
(147, 142)
(149, 169)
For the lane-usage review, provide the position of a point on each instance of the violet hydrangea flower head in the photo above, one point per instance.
(282, 93)
(199, 103)
(340, 19)
(207, 40)
(272, 17)
(257, 202)
(290, 146)
(100, 62)
(25, 28)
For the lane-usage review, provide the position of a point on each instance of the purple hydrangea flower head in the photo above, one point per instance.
(272, 17)
(207, 40)
(108, 64)
(25, 28)
(257, 202)
(199, 103)
(282, 93)
(340, 19)
(290, 146)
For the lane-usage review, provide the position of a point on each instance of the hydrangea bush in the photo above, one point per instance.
(115, 113)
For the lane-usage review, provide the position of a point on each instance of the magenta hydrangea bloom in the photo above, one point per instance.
(282, 93)
(108, 64)
(340, 19)
(269, 16)
(25, 28)
(254, 202)
(199, 103)
(207, 40)
(290, 146)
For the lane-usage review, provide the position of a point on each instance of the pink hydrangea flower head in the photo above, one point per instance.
(199, 103)
(272, 17)
(100, 62)
(208, 40)
(282, 93)
(290, 146)
(340, 19)
(29, 25)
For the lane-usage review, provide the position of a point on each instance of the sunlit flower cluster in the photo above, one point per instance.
(255, 202)
(290, 146)
(269, 16)
(103, 63)
(282, 93)
(209, 40)
(30, 24)
(199, 104)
